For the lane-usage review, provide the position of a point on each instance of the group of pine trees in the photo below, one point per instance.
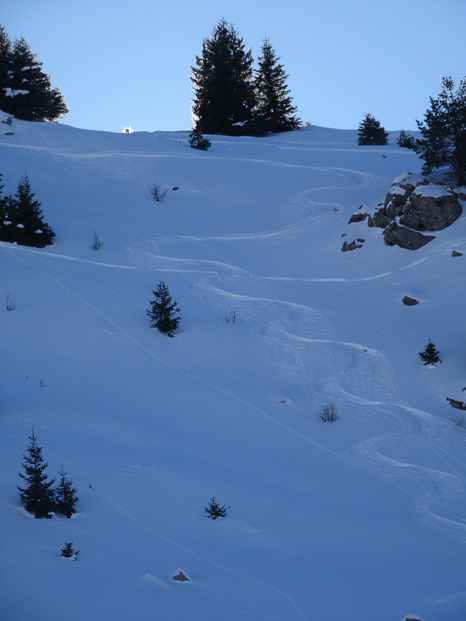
(25, 90)
(38, 496)
(232, 98)
(21, 217)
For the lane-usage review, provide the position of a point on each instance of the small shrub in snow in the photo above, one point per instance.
(9, 304)
(213, 510)
(430, 355)
(96, 243)
(329, 413)
(157, 193)
(231, 317)
(68, 552)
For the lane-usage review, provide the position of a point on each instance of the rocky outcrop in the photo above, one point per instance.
(431, 208)
(415, 203)
(396, 235)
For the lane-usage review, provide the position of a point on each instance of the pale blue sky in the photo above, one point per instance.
(128, 63)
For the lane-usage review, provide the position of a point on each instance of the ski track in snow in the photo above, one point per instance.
(279, 338)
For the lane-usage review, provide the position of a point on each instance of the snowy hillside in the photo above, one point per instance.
(360, 520)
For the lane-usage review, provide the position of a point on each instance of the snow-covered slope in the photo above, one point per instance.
(361, 520)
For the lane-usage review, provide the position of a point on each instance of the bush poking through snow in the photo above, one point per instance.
(68, 552)
(213, 510)
(157, 193)
(329, 413)
(430, 355)
(9, 304)
(96, 243)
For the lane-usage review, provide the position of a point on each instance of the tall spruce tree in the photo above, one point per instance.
(37, 496)
(222, 82)
(370, 132)
(29, 93)
(27, 227)
(443, 141)
(5, 53)
(274, 109)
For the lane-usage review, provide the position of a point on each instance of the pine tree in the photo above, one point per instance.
(65, 495)
(406, 141)
(274, 109)
(30, 93)
(37, 495)
(222, 82)
(443, 141)
(163, 309)
(370, 132)
(197, 141)
(430, 355)
(5, 53)
(25, 214)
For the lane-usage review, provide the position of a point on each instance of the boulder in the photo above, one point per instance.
(396, 235)
(358, 217)
(455, 253)
(352, 246)
(409, 301)
(431, 208)
(180, 577)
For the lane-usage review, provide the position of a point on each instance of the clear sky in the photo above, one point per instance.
(121, 63)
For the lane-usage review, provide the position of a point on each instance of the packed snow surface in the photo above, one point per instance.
(360, 520)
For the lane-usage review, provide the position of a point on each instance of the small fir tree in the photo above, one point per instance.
(163, 310)
(214, 511)
(274, 109)
(443, 131)
(25, 214)
(37, 496)
(370, 132)
(406, 141)
(197, 141)
(65, 495)
(68, 551)
(430, 355)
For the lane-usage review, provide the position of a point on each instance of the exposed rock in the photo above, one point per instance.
(416, 202)
(352, 246)
(455, 253)
(459, 405)
(396, 235)
(358, 217)
(181, 577)
(431, 208)
(408, 301)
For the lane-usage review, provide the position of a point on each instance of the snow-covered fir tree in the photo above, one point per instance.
(26, 91)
